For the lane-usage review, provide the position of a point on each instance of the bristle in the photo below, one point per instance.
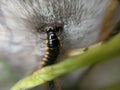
(47, 48)
(44, 59)
(46, 41)
(45, 55)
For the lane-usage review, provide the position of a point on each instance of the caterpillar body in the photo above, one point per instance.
(52, 52)
(52, 49)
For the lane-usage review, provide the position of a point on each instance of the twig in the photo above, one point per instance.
(99, 53)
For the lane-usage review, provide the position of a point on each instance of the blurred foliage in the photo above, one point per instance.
(7, 77)
(115, 86)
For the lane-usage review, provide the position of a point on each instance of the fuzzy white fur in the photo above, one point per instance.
(24, 46)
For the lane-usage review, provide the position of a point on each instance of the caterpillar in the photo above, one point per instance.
(52, 51)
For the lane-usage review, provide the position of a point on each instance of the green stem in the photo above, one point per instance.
(101, 52)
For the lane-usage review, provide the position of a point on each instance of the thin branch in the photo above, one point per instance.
(99, 53)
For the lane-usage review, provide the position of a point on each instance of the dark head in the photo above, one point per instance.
(50, 30)
(51, 33)
(52, 38)
(56, 29)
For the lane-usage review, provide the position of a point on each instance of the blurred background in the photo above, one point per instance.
(84, 23)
